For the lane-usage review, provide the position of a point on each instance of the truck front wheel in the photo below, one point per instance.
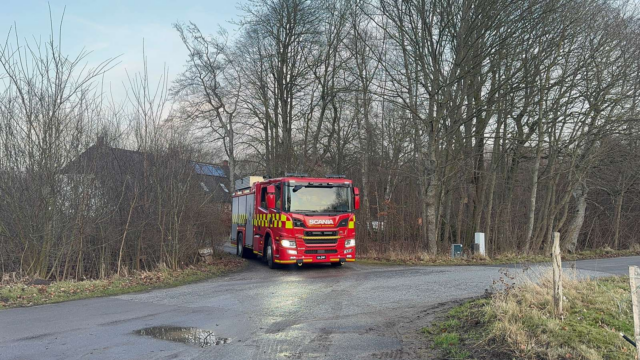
(269, 254)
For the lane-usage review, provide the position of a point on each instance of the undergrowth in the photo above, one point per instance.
(27, 293)
(520, 323)
(403, 258)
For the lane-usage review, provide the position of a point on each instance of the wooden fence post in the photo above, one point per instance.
(557, 275)
(634, 301)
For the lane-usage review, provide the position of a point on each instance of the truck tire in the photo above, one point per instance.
(269, 255)
(240, 250)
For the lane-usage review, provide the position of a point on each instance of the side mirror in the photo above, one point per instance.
(271, 197)
(356, 197)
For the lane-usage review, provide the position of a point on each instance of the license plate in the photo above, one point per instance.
(321, 257)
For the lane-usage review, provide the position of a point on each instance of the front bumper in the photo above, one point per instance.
(340, 256)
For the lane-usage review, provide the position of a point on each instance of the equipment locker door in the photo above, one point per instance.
(242, 209)
(250, 199)
(234, 217)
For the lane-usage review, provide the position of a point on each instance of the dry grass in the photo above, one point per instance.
(519, 323)
(26, 293)
(424, 258)
(595, 312)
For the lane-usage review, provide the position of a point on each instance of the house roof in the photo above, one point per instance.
(103, 161)
(209, 169)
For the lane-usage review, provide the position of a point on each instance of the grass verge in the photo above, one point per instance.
(23, 294)
(519, 323)
(425, 259)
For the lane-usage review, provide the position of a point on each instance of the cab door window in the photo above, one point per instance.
(278, 196)
(263, 197)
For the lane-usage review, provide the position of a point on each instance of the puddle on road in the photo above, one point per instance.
(185, 335)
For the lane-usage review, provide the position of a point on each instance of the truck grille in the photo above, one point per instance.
(320, 233)
(320, 241)
(320, 237)
(321, 252)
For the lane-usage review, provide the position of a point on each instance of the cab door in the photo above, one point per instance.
(260, 217)
(268, 218)
(274, 217)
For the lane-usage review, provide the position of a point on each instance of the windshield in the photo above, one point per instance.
(310, 198)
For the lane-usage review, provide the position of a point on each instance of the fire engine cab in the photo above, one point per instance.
(295, 219)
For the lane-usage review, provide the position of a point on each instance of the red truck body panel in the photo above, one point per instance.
(319, 236)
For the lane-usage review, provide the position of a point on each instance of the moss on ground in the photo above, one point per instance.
(23, 294)
(454, 336)
(521, 324)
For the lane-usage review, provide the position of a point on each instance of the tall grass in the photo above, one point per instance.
(595, 312)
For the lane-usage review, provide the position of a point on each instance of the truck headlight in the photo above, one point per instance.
(350, 243)
(288, 243)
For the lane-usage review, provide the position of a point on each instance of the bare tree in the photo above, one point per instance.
(209, 90)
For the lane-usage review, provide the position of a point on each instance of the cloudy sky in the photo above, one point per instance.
(117, 28)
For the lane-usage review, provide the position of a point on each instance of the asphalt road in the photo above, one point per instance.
(354, 312)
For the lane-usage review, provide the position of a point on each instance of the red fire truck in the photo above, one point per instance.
(295, 219)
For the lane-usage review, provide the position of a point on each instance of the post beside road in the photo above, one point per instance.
(633, 273)
(479, 239)
(557, 275)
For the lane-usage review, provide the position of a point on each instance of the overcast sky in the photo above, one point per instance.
(111, 28)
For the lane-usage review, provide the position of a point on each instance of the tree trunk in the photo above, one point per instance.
(432, 198)
(618, 215)
(580, 194)
(534, 193)
(232, 156)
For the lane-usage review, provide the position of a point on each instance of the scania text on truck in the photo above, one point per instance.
(295, 219)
